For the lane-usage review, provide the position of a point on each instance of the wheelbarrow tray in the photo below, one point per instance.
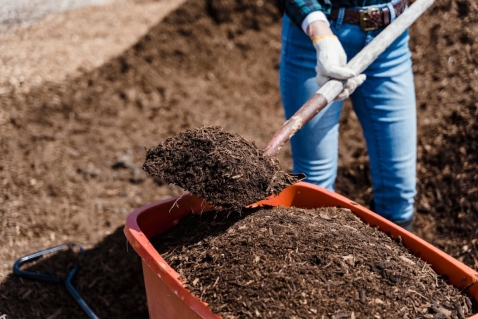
(168, 298)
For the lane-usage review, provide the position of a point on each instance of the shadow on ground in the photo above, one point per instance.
(110, 280)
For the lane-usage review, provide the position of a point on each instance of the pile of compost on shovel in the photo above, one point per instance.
(223, 168)
(295, 263)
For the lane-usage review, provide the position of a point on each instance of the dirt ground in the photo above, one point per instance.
(60, 47)
(72, 144)
(27, 12)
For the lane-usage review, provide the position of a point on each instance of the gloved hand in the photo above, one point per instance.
(331, 61)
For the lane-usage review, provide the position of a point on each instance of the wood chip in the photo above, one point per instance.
(195, 281)
(408, 261)
(350, 259)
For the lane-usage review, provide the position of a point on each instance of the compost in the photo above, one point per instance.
(223, 168)
(295, 263)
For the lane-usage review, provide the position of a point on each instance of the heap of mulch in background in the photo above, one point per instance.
(223, 168)
(447, 91)
(290, 262)
(453, 165)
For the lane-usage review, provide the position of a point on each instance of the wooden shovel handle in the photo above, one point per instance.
(333, 88)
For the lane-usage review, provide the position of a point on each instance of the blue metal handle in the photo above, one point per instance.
(35, 256)
(53, 278)
(77, 296)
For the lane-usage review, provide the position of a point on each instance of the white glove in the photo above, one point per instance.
(331, 61)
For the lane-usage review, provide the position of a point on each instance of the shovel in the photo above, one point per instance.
(250, 185)
(358, 64)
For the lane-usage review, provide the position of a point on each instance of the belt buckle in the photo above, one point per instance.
(364, 17)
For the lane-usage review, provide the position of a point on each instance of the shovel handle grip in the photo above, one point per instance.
(333, 88)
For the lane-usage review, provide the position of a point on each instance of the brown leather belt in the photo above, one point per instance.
(370, 19)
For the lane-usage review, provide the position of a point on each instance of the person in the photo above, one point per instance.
(318, 36)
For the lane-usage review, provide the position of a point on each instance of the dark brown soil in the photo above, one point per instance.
(71, 153)
(223, 168)
(288, 262)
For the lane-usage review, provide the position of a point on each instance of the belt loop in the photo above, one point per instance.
(340, 18)
(393, 14)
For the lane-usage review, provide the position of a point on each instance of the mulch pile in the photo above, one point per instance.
(447, 89)
(223, 168)
(290, 262)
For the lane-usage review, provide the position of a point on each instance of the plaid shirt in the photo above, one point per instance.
(297, 10)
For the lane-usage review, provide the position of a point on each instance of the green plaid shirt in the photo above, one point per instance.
(297, 10)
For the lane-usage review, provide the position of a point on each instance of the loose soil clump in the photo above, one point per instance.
(223, 168)
(288, 262)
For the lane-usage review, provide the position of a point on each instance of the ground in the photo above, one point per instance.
(85, 92)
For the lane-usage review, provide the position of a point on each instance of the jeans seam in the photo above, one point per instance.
(340, 19)
(284, 49)
(284, 38)
(393, 14)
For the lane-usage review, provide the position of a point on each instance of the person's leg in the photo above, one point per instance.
(385, 106)
(315, 146)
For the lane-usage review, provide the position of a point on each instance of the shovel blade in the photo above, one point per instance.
(299, 176)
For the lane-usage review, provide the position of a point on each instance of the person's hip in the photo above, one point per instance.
(369, 18)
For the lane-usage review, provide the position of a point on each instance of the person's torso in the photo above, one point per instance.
(356, 3)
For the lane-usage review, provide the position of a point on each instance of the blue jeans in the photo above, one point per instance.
(385, 107)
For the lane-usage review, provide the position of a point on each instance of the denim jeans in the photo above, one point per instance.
(385, 107)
